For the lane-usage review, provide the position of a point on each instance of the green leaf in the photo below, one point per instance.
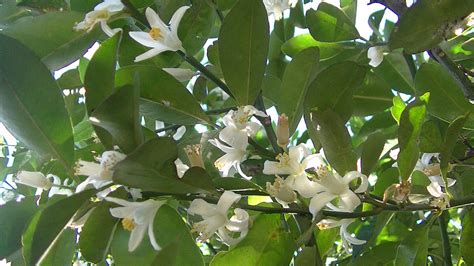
(100, 74)
(430, 137)
(267, 243)
(162, 96)
(334, 88)
(374, 96)
(467, 234)
(301, 42)
(415, 35)
(63, 249)
(14, 217)
(330, 24)
(97, 232)
(413, 250)
(195, 27)
(172, 234)
(447, 102)
(47, 224)
(411, 121)
(450, 140)
(199, 178)
(118, 114)
(230, 183)
(33, 108)
(57, 44)
(335, 140)
(151, 169)
(395, 71)
(298, 75)
(70, 80)
(243, 49)
(382, 254)
(371, 150)
(143, 255)
(397, 108)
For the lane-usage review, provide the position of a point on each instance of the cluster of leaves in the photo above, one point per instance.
(351, 112)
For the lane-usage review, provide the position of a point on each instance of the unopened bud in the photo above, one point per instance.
(283, 132)
(194, 155)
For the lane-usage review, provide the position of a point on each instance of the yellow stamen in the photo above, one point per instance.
(128, 224)
(155, 33)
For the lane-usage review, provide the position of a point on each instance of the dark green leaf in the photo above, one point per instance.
(199, 178)
(447, 102)
(413, 250)
(196, 25)
(411, 120)
(63, 249)
(267, 243)
(230, 183)
(335, 140)
(371, 150)
(14, 217)
(430, 137)
(467, 234)
(97, 233)
(415, 35)
(163, 97)
(57, 44)
(395, 71)
(298, 75)
(243, 48)
(118, 114)
(151, 169)
(374, 96)
(334, 87)
(450, 139)
(330, 24)
(47, 224)
(70, 80)
(33, 108)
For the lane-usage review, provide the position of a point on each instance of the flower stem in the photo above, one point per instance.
(267, 124)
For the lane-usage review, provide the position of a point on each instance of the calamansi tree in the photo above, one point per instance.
(163, 148)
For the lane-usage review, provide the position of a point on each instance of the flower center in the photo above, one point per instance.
(155, 34)
(128, 224)
(432, 170)
(284, 159)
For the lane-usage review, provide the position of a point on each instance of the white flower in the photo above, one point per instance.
(59, 188)
(238, 127)
(233, 156)
(294, 163)
(329, 186)
(282, 191)
(437, 188)
(215, 218)
(161, 37)
(34, 179)
(276, 7)
(99, 175)
(181, 74)
(346, 237)
(138, 218)
(375, 54)
(101, 13)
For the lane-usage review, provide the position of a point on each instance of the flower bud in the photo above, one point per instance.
(33, 179)
(283, 132)
(194, 155)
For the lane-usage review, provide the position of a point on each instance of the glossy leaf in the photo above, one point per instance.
(32, 106)
(413, 250)
(97, 233)
(397, 108)
(298, 75)
(267, 243)
(63, 249)
(415, 35)
(411, 121)
(196, 25)
(371, 151)
(330, 24)
(55, 43)
(14, 217)
(450, 139)
(335, 140)
(372, 97)
(301, 42)
(162, 96)
(151, 169)
(447, 102)
(431, 140)
(334, 88)
(47, 224)
(243, 49)
(118, 114)
(395, 71)
(467, 234)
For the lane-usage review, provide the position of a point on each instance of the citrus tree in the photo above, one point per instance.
(236, 132)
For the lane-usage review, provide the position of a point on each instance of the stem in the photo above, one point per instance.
(134, 12)
(443, 220)
(267, 124)
(262, 150)
(206, 72)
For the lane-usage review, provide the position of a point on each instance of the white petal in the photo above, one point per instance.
(202, 208)
(136, 237)
(110, 5)
(176, 18)
(119, 201)
(226, 200)
(348, 177)
(426, 158)
(144, 39)
(350, 200)
(306, 187)
(151, 53)
(252, 128)
(276, 168)
(313, 161)
(451, 182)
(234, 137)
(435, 190)
(319, 201)
(151, 235)
(154, 19)
(107, 30)
(239, 221)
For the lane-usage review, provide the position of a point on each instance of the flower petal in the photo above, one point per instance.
(350, 200)
(151, 235)
(348, 177)
(136, 237)
(151, 53)
(176, 18)
(144, 39)
(154, 19)
(226, 200)
(202, 208)
(319, 201)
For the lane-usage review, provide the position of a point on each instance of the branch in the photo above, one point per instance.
(267, 124)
